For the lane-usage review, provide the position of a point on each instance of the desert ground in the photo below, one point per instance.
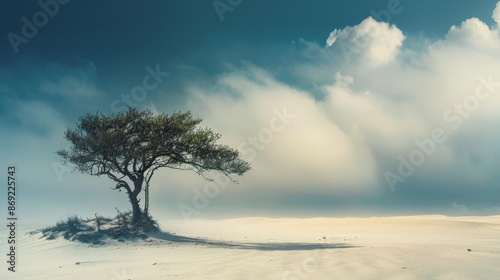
(415, 247)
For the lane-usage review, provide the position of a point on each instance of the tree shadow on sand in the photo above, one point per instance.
(102, 231)
(271, 246)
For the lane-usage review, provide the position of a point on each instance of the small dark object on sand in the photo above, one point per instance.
(468, 250)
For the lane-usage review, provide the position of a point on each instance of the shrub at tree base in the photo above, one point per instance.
(96, 231)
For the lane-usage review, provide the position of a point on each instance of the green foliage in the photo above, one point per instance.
(133, 142)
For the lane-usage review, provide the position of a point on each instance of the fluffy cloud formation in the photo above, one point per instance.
(380, 107)
(496, 13)
(376, 42)
(474, 32)
(286, 134)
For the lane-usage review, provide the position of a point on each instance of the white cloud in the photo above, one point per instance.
(366, 119)
(474, 32)
(376, 42)
(332, 37)
(310, 150)
(496, 13)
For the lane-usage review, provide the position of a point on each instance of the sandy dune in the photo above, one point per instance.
(419, 247)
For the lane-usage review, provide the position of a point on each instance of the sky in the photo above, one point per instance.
(343, 108)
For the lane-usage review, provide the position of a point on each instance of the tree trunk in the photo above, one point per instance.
(146, 200)
(136, 209)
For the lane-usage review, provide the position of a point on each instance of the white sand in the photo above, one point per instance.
(420, 247)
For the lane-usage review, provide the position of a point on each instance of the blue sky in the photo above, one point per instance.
(339, 113)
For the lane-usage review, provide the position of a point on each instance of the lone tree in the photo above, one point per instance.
(129, 147)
